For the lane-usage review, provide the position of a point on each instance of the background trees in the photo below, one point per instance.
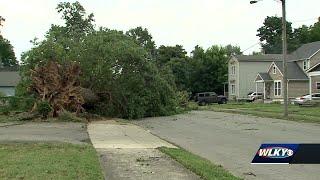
(132, 77)
(7, 56)
(270, 35)
(143, 38)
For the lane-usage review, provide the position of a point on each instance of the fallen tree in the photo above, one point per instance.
(58, 85)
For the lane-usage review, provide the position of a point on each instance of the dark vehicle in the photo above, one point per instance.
(210, 97)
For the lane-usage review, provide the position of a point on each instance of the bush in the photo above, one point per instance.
(44, 108)
(17, 103)
(14, 103)
(69, 117)
(27, 103)
(192, 106)
(5, 111)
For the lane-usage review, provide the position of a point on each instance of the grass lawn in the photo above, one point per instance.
(200, 166)
(48, 161)
(296, 113)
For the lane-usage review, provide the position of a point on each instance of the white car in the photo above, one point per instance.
(254, 95)
(305, 98)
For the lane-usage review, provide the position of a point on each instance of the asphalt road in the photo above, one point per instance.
(232, 140)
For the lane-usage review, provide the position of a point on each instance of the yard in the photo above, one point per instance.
(48, 161)
(296, 113)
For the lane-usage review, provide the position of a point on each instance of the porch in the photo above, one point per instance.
(264, 85)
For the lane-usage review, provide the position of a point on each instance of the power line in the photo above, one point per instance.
(251, 47)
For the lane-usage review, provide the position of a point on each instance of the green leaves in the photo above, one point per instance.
(115, 66)
(205, 70)
(270, 35)
(7, 56)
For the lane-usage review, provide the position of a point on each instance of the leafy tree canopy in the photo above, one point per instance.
(7, 56)
(114, 66)
(143, 38)
(166, 53)
(270, 35)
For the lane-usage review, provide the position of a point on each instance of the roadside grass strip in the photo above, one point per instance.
(200, 166)
(296, 113)
(48, 161)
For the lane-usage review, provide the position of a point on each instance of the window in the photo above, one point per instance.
(305, 64)
(318, 85)
(207, 95)
(274, 69)
(212, 94)
(233, 88)
(277, 88)
(233, 69)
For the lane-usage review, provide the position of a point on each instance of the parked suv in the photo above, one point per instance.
(252, 96)
(210, 97)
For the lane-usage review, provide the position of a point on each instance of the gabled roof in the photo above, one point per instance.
(316, 67)
(306, 51)
(263, 77)
(294, 71)
(263, 57)
(9, 77)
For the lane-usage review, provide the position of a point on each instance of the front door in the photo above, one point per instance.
(268, 90)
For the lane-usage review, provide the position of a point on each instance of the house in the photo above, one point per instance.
(264, 73)
(9, 78)
(271, 81)
(243, 70)
(302, 74)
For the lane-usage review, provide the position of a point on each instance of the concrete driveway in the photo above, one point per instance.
(69, 132)
(232, 140)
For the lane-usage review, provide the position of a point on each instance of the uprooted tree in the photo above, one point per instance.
(58, 85)
(119, 78)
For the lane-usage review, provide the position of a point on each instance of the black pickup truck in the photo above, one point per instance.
(210, 97)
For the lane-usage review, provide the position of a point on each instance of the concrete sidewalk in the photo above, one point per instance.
(106, 134)
(129, 152)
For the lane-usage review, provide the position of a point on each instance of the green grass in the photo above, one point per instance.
(296, 113)
(48, 161)
(200, 166)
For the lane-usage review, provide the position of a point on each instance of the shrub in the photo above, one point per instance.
(27, 103)
(69, 117)
(44, 108)
(192, 106)
(5, 111)
(14, 102)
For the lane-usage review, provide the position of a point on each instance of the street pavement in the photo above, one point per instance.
(232, 140)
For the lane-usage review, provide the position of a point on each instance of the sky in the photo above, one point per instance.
(170, 22)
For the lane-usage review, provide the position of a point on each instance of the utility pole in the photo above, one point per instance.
(284, 53)
(284, 58)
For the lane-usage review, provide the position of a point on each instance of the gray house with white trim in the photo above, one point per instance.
(9, 79)
(243, 70)
(303, 73)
